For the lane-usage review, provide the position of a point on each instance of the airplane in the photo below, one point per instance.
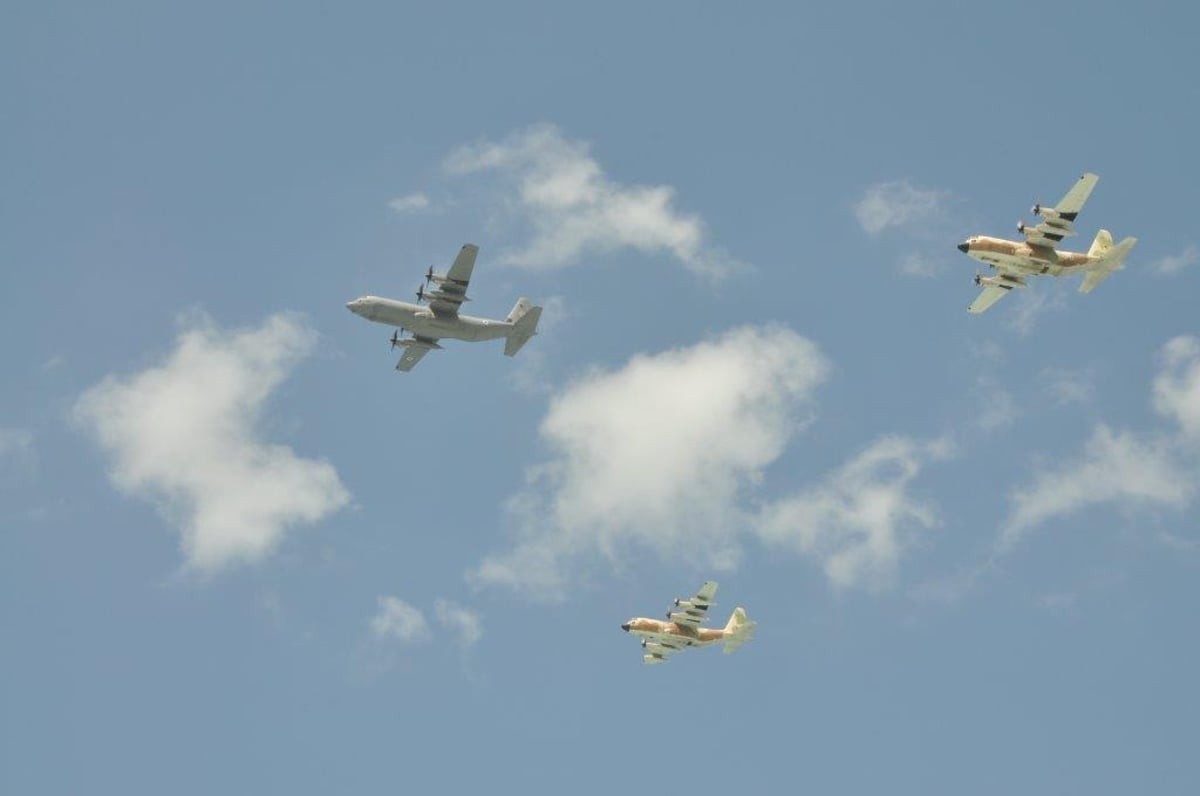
(682, 628)
(1014, 260)
(441, 319)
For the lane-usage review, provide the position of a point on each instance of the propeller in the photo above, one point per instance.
(1037, 209)
(395, 339)
(1020, 226)
(643, 643)
(429, 275)
(978, 278)
(420, 292)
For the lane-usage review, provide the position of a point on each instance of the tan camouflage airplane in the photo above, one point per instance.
(1014, 260)
(683, 630)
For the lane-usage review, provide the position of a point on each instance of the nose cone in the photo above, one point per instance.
(962, 247)
(625, 627)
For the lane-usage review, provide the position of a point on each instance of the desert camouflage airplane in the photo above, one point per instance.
(441, 318)
(1014, 260)
(682, 629)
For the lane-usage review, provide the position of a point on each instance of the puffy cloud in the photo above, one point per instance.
(463, 622)
(410, 203)
(1177, 386)
(1174, 263)
(859, 520)
(1115, 467)
(397, 620)
(658, 453)
(897, 204)
(184, 435)
(575, 209)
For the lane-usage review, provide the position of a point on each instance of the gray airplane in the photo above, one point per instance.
(441, 319)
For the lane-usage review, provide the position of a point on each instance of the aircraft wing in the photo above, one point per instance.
(1112, 262)
(659, 646)
(1059, 221)
(995, 288)
(414, 351)
(692, 612)
(987, 298)
(452, 288)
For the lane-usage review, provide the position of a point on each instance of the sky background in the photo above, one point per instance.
(239, 553)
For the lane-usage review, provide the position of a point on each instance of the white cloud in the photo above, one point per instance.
(463, 622)
(1115, 467)
(1177, 386)
(897, 204)
(398, 620)
(1173, 264)
(859, 520)
(184, 436)
(657, 454)
(411, 203)
(575, 209)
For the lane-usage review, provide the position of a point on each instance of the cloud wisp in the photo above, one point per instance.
(897, 204)
(410, 203)
(1174, 263)
(1128, 470)
(396, 620)
(574, 209)
(184, 435)
(464, 623)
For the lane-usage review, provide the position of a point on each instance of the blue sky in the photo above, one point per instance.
(239, 553)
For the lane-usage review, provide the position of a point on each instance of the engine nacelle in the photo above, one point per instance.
(654, 648)
(1045, 212)
(653, 659)
(1000, 281)
(679, 616)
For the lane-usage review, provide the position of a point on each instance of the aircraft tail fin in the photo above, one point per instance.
(1111, 259)
(739, 629)
(524, 318)
(1101, 245)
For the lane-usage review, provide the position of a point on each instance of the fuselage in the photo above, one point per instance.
(694, 636)
(1022, 257)
(424, 322)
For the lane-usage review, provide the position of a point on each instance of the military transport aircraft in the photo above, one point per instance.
(682, 628)
(1014, 260)
(441, 318)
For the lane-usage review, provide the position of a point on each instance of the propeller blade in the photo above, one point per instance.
(429, 275)
(420, 293)
(978, 278)
(395, 339)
